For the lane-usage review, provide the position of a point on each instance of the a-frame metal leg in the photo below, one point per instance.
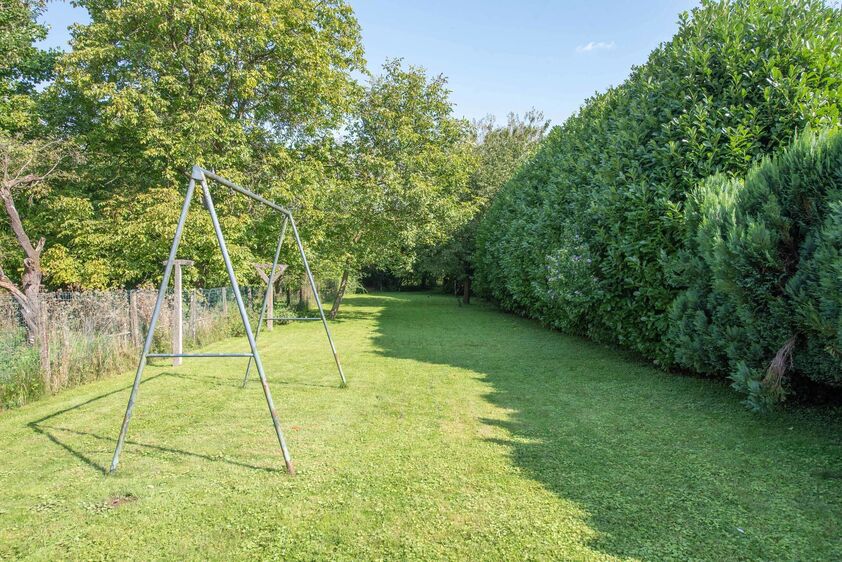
(318, 299)
(266, 294)
(152, 322)
(246, 324)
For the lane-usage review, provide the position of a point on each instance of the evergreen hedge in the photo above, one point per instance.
(763, 273)
(589, 235)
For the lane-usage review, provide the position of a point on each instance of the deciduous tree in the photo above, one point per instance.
(25, 168)
(500, 151)
(405, 165)
(22, 65)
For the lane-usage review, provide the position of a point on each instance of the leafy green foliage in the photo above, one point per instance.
(154, 87)
(19, 377)
(761, 267)
(151, 88)
(397, 179)
(22, 65)
(263, 93)
(499, 151)
(585, 236)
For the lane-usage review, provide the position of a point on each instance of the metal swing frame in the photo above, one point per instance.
(271, 279)
(201, 176)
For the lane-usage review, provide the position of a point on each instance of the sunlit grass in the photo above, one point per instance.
(464, 434)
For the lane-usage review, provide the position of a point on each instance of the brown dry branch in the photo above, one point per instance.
(773, 381)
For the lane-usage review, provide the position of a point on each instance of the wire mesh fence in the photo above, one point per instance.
(89, 335)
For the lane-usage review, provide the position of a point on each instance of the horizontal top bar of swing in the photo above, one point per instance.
(292, 318)
(246, 192)
(199, 355)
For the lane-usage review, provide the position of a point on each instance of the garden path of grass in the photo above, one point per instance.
(464, 434)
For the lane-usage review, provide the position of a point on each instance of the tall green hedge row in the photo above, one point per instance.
(595, 234)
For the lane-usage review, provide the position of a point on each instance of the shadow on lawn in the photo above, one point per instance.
(665, 466)
(50, 432)
(254, 379)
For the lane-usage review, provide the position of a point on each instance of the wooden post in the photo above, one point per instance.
(44, 346)
(193, 313)
(270, 307)
(225, 301)
(178, 318)
(134, 324)
(263, 270)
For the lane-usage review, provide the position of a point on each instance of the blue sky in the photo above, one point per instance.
(500, 55)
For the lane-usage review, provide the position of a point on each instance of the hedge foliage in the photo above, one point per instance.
(588, 235)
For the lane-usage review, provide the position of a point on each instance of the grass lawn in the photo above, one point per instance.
(464, 434)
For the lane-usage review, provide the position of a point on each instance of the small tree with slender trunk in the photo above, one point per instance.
(25, 167)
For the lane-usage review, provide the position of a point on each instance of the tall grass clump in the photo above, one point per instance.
(585, 237)
(19, 369)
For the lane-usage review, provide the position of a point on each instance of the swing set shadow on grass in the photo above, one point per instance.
(52, 433)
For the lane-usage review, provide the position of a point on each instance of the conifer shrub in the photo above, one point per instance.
(762, 267)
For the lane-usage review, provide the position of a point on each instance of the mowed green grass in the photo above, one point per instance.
(464, 434)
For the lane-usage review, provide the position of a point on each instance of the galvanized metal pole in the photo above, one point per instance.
(153, 321)
(246, 324)
(318, 299)
(242, 190)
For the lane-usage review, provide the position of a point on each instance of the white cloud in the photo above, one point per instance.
(595, 46)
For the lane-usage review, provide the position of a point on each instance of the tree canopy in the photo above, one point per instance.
(264, 92)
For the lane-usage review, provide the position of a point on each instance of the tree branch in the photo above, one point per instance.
(27, 179)
(17, 224)
(6, 283)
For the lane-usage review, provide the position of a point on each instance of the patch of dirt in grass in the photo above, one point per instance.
(117, 501)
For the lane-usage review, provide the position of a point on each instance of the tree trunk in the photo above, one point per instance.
(40, 161)
(304, 293)
(44, 349)
(30, 304)
(340, 294)
(466, 291)
(28, 293)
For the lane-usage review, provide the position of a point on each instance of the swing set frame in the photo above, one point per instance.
(201, 176)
